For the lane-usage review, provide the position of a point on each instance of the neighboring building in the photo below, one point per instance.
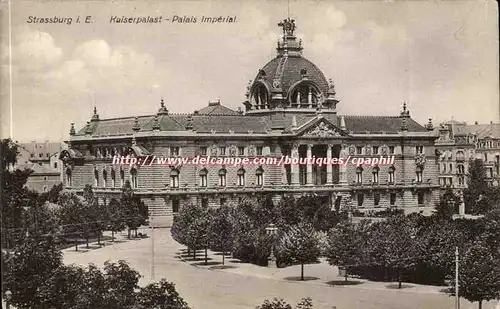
(291, 109)
(43, 160)
(458, 143)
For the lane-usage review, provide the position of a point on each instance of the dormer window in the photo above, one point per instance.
(260, 97)
(305, 95)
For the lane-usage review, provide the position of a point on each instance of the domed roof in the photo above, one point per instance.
(292, 71)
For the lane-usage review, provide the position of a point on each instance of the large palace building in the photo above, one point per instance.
(290, 110)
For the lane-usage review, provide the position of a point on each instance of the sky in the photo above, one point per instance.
(439, 56)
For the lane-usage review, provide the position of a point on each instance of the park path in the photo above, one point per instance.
(204, 288)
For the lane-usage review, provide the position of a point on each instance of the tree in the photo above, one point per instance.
(136, 212)
(221, 230)
(394, 243)
(299, 245)
(116, 217)
(479, 274)
(448, 205)
(479, 197)
(305, 303)
(27, 268)
(72, 216)
(161, 295)
(345, 244)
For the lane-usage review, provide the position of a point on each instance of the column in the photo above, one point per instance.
(257, 99)
(329, 167)
(309, 97)
(343, 167)
(294, 168)
(278, 152)
(309, 178)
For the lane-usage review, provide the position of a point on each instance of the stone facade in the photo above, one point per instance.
(290, 111)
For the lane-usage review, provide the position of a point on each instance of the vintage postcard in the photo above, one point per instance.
(286, 154)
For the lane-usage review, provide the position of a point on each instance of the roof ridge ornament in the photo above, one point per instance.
(72, 129)
(136, 126)
(95, 116)
(163, 109)
(156, 124)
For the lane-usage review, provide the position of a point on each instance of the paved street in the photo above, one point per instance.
(203, 288)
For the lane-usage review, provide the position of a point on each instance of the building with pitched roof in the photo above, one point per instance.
(42, 158)
(290, 110)
(459, 142)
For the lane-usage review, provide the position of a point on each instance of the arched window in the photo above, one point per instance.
(96, 178)
(69, 178)
(259, 174)
(104, 178)
(305, 95)
(222, 177)
(260, 97)
(113, 178)
(174, 178)
(419, 173)
(122, 177)
(241, 177)
(392, 170)
(133, 178)
(203, 177)
(375, 175)
(359, 175)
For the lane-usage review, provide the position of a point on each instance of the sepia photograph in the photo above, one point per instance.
(249, 154)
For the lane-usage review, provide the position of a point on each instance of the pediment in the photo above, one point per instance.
(321, 129)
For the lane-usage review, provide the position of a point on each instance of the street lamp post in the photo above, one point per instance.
(271, 230)
(8, 297)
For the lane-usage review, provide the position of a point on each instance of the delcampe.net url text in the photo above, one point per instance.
(151, 160)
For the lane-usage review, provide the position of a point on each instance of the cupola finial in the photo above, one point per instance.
(72, 129)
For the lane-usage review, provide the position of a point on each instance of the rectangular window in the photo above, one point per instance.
(259, 150)
(222, 151)
(375, 177)
(419, 149)
(204, 202)
(393, 199)
(174, 151)
(203, 151)
(175, 205)
(359, 150)
(375, 150)
(391, 149)
(376, 199)
(421, 197)
(241, 151)
(361, 198)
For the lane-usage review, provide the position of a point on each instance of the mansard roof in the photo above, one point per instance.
(220, 124)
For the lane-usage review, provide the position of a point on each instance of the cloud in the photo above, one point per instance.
(34, 49)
